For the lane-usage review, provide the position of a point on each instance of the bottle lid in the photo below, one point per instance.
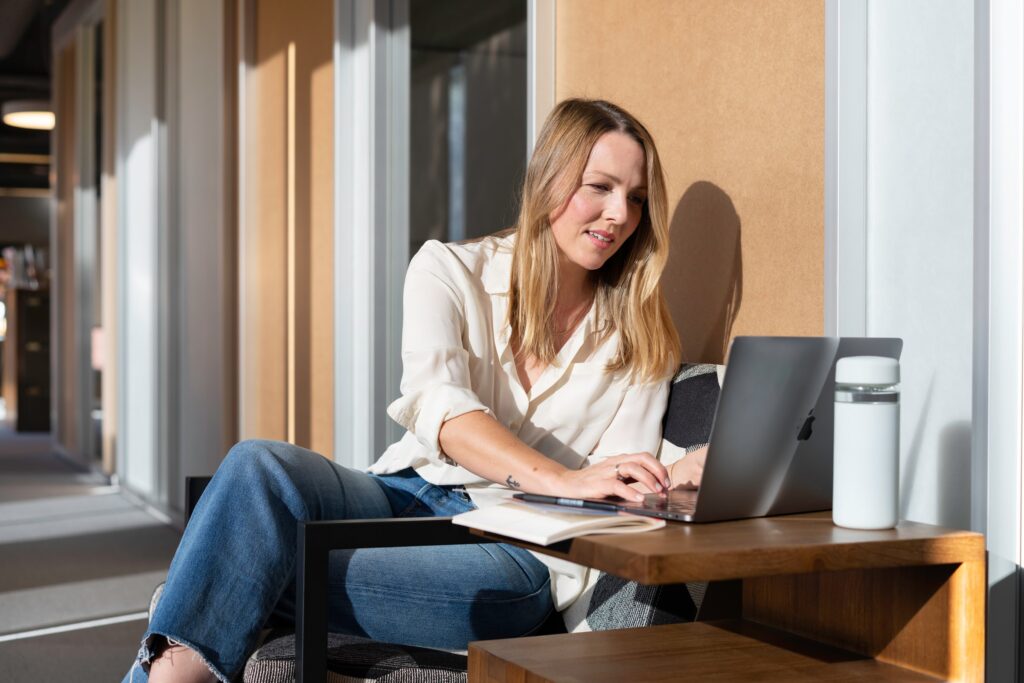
(868, 370)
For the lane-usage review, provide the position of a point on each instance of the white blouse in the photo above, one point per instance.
(457, 358)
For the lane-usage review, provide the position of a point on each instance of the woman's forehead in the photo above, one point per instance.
(618, 157)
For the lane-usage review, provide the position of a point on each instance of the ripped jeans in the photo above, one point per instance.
(235, 565)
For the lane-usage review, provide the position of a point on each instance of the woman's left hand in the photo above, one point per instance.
(687, 472)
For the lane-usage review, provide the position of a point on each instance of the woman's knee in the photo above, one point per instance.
(260, 457)
(504, 614)
(308, 483)
(261, 468)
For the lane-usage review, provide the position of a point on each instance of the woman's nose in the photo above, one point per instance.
(617, 208)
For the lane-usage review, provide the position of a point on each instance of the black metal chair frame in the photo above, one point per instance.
(315, 541)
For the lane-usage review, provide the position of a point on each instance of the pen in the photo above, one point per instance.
(570, 502)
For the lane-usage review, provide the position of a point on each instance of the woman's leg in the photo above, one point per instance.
(434, 596)
(237, 556)
(438, 596)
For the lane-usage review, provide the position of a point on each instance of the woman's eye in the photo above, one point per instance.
(639, 201)
(599, 187)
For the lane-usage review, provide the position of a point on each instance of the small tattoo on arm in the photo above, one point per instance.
(512, 482)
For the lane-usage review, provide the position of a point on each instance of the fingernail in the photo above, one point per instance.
(657, 486)
(668, 483)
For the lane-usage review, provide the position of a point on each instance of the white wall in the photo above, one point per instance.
(138, 160)
(919, 237)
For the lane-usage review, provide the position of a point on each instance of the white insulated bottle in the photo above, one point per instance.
(866, 471)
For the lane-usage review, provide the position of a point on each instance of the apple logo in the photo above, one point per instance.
(806, 430)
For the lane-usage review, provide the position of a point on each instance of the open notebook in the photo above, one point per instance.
(547, 524)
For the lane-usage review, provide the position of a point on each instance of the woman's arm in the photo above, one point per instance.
(482, 445)
(438, 404)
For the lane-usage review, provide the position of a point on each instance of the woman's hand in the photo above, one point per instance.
(687, 472)
(612, 476)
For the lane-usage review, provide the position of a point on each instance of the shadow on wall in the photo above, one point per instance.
(703, 281)
(951, 490)
(955, 475)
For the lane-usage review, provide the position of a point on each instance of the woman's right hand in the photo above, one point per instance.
(612, 476)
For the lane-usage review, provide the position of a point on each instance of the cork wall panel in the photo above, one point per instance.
(733, 93)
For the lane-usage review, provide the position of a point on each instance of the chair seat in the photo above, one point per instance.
(351, 659)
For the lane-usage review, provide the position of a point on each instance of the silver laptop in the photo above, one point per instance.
(770, 450)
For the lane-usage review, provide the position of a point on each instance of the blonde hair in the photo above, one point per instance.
(627, 290)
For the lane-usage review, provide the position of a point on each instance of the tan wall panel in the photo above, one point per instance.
(287, 302)
(262, 250)
(733, 92)
(108, 239)
(9, 388)
(320, 421)
(65, 383)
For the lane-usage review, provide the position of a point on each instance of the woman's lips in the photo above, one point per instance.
(600, 239)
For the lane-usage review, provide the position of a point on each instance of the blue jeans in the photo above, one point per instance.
(235, 565)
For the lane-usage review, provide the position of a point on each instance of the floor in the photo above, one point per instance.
(78, 562)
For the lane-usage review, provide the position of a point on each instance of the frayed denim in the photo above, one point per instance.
(235, 565)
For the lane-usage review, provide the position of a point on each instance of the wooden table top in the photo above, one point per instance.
(765, 546)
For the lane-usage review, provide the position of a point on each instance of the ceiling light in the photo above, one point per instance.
(34, 114)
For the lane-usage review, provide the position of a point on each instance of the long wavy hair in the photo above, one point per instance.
(627, 289)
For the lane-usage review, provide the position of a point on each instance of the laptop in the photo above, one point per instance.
(770, 450)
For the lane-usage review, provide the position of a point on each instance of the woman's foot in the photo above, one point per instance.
(179, 664)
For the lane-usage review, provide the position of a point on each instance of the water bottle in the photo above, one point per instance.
(866, 472)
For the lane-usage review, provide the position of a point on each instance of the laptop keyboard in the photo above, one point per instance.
(674, 503)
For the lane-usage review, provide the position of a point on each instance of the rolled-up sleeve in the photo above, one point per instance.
(436, 383)
(636, 426)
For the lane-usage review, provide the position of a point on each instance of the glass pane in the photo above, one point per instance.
(467, 117)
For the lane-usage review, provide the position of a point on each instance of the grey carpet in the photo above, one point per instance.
(72, 549)
(29, 469)
(99, 548)
(94, 655)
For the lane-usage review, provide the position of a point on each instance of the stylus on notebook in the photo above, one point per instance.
(571, 502)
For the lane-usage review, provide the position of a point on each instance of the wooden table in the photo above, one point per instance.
(792, 598)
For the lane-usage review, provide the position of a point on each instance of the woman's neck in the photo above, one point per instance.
(575, 287)
(573, 300)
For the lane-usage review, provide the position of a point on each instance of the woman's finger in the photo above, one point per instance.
(650, 464)
(636, 472)
(622, 490)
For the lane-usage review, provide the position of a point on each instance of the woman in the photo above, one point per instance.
(534, 360)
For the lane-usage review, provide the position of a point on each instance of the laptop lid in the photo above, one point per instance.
(771, 385)
(808, 482)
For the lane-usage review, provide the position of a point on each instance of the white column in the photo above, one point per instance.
(999, 222)
(846, 148)
(371, 57)
(138, 163)
(540, 66)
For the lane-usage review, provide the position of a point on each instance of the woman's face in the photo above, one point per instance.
(604, 211)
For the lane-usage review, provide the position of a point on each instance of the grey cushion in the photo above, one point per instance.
(351, 659)
(692, 403)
